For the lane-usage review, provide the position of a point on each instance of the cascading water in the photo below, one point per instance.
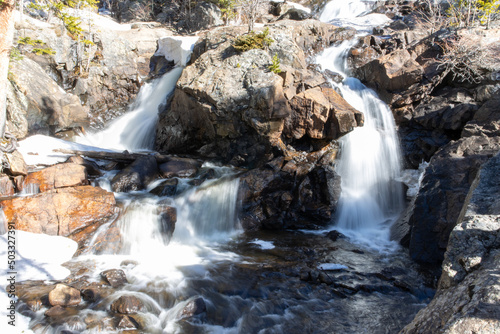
(135, 130)
(370, 158)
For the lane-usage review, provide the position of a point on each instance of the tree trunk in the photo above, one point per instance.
(6, 37)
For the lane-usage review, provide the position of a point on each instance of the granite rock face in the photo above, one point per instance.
(468, 295)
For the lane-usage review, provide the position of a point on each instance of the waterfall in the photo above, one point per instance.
(346, 9)
(135, 130)
(370, 157)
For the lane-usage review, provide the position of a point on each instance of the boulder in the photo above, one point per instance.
(177, 167)
(229, 106)
(193, 308)
(58, 176)
(468, 295)
(15, 163)
(115, 277)
(64, 295)
(135, 176)
(62, 211)
(127, 304)
(166, 188)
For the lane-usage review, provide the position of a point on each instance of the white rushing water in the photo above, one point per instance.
(135, 130)
(370, 157)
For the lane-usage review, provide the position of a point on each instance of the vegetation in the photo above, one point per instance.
(253, 41)
(275, 65)
(468, 13)
(39, 46)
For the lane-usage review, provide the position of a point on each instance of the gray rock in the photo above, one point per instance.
(468, 295)
(136, 176)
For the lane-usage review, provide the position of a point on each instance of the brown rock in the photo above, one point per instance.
(60, 211)
(179, 168)
(6, 186)
(127, 305)
(193, 307)
(58, 176)
(115, 277)
(64, 295)
(16, 164)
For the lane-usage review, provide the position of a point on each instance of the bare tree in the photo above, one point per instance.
(251, 9)
(6, 37)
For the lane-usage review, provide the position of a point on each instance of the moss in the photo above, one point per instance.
(252, 41)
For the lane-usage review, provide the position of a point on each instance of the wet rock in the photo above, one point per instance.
(127, 305)
(335, 235)
(100, 324)
(136, 176)
(193, 308)
(108, 241)
(325, 278)
(179, 168)
(60, 312)
(63, 295)
(96, 293)
(61, 211)
(58, 176)
(91, 167)
(115, 277)
(168, 218)
(127, 323)
(166, 188)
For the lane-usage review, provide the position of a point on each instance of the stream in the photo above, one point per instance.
(212, 277)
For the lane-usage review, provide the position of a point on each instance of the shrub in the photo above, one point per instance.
(275, 66)
(253, 41)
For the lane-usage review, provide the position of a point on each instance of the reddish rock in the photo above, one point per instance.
(58, 176)
(60, 211)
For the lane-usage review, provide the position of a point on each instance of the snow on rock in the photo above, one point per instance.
(39, 150)
(176, 48)
(331, 266)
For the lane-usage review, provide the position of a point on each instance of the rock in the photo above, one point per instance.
(64, 295)
(50, 109)
(396, 71)
(60, 211)
(16, 164)
(193, 308)
(335, 235)
(59, 312)
(136, 176)
(295, 14)
(205, 15)
(6, 186)
(58, 176)
(96, 293)
(447, 181)
(127, 323)
(168, 218)
(468, 295)
(166, 188)
(228, 105)
(320, 114)
(183, 168)
(115, 277)
(91, 167)
(127, 304)
(107, 241)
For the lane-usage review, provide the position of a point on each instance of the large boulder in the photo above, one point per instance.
(64, 211)
(447, 181)
(229, 105)
(136, 176)
(468, 295)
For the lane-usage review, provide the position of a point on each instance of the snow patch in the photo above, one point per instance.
(332, 266)
(176, 48)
